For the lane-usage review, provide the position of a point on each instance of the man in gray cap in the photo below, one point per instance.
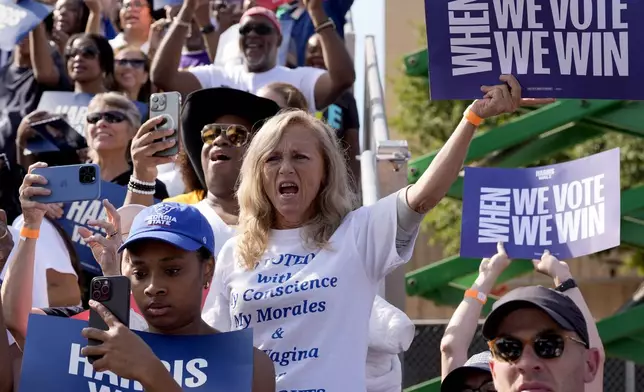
(539, 342)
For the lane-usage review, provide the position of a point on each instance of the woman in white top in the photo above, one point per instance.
(305, 269)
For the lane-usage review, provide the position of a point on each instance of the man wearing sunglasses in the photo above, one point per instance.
(540, 342)
(260, 38)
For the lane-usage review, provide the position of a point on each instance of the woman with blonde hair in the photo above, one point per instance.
(306, 267)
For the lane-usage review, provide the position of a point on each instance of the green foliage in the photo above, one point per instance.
(428, 124)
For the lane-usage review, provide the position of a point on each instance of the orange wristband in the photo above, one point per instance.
(477, 295)
(29, 233)
(472, 117)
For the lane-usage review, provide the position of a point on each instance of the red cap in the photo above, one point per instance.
(265, 12)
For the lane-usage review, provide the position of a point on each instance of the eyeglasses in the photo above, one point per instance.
(88, 52)
(487, 386)
(259, 28)
(111, 117)
(238, 135)
(134, 63)
(545, 346)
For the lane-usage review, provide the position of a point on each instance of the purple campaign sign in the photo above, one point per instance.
(555, 48)
(571, 209)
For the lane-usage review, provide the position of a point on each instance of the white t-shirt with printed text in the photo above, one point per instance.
(237, 77)
(310, 310)
(220, 229)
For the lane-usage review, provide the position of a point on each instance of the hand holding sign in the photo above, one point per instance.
(552, 267)
(122, 352)
(25, 131)
(32, 211)
(503, 98)
(105, 249)
(494, 266)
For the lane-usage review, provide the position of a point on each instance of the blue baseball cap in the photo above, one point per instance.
(178, 224)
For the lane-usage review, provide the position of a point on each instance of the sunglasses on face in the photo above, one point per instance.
(89, 53)
(134, 63)
(545, 346)
(258, 28)
(238, 135)
(487, 386)
(111, 117)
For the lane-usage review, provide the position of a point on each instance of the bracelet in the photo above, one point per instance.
(477, 295)
(140, 191)
(144, 183)
(325, 25)
(472, 117)
(29, 233)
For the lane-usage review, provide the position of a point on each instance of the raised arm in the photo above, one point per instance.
(17, 287)
(560, 272)
(42, 61)
(340, 70)
(165, 72)
(6, 362)
(433, 185)
(462, 326)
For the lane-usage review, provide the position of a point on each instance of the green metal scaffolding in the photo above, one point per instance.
(537, 134)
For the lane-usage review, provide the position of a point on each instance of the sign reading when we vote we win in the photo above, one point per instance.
(208, 363)
(587, 49)
(571, 209)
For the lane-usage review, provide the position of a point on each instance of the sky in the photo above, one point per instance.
(368, 19)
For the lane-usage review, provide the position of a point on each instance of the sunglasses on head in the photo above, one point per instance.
(87, 52)
(134, 63)
(548, 345)
(487, 386)
(238, 135)
(258, 28)
(111, 117)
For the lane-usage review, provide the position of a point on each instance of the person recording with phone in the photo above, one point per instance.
(168, 267)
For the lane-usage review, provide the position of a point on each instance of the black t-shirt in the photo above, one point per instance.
(19, 96)
(161, 192)
(343, 114)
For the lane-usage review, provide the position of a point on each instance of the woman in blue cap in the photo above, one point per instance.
(169, 260)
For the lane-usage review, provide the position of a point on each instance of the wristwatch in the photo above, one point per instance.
(566, 285)
(207, 29)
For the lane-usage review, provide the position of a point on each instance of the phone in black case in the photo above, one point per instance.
(114, 293)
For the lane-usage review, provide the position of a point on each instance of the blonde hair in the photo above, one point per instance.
(256, 216)
(120, 102)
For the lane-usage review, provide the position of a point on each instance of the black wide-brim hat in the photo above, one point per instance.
(203, 107)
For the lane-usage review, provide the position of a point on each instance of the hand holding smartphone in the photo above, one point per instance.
(69, 183)
(114, 293)
(167, 105)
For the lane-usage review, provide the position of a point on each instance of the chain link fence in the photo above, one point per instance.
(422, 361)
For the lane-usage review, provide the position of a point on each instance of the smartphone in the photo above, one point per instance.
(70, 183)
(167, 105)
(114, 293)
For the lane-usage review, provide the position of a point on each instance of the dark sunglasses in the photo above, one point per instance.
(87, 52)
(545, 346)
(134, 63)
(238, 135)
(259, 28)
(111, 117)
(487, 386)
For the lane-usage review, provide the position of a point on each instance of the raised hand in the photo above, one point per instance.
(105, 248)
(122, 351)
(550, 266)
(504, 98)
(497, 264)
(145, 144)
(33, 212)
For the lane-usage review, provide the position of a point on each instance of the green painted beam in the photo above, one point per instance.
(433, 385)
(629, 119)
(520, 130)
(417, 64)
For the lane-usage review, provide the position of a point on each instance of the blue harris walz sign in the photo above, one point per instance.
(571, 209)
(208, 363)
(555, 48)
